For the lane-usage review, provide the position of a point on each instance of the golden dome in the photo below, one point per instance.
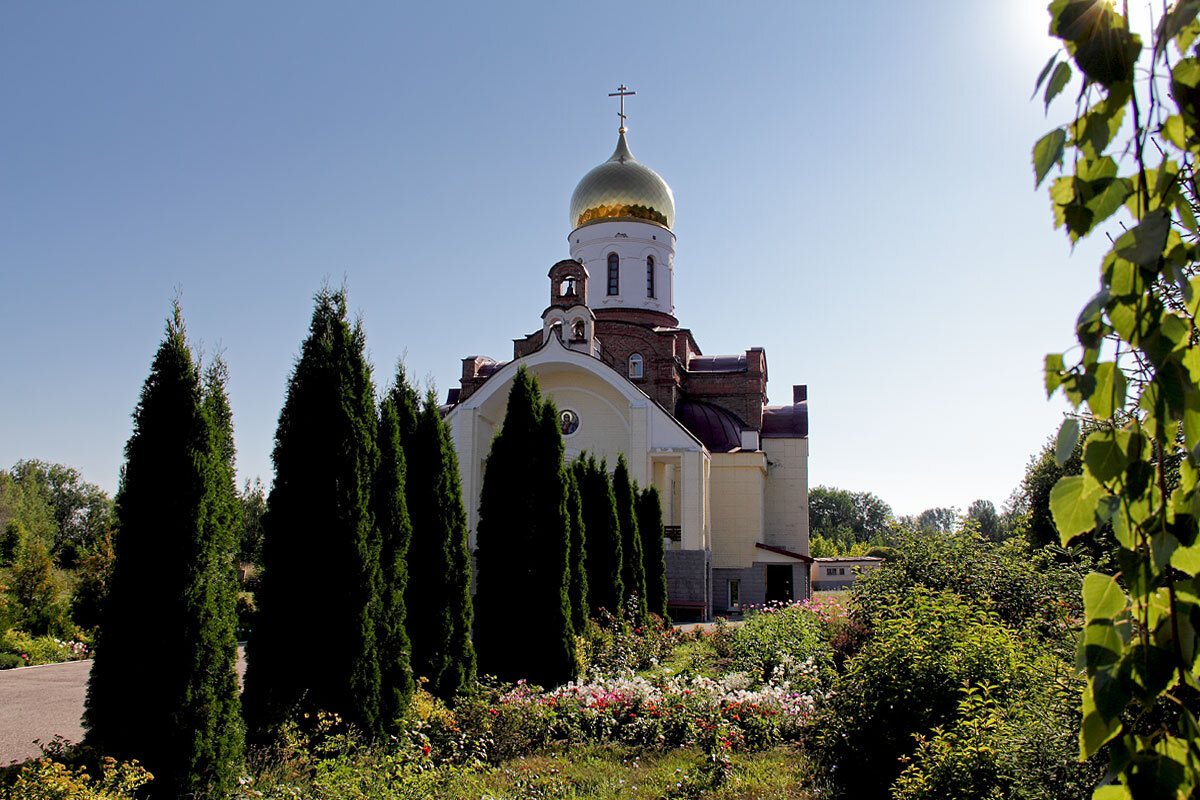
(622, 188)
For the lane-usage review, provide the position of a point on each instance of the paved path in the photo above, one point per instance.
(37, 703)
(41, 702)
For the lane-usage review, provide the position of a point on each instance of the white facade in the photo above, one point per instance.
(633, 242)
(615, 418)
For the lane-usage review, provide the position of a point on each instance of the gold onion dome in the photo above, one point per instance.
(622, 188)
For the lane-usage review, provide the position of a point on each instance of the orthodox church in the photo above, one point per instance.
(626, 378)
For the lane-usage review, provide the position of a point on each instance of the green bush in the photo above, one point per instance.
(1028, 589)
(907, 679)
(44, 649)
(47, 779)
(10, 661)
(789, 642)
(611, 646)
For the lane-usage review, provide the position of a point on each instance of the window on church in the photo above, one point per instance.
(577, 329)
(649, 276)
(635, 366)
(614, 273)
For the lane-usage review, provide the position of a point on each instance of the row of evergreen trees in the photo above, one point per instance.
(346, 526)
(359, 553)
(557, 544)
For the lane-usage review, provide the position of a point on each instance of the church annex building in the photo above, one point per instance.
(732, 471)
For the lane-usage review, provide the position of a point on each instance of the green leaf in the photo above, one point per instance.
(1113, 791)
(1110, 390)
(1185, 38)
(1089, 327)
(1100, 645)
(1187, 559)
(1062, 196)
(1185, 89)
(1062, 74)
(1042, 75)
(1054, 368)
(1173, 130)
(1073, 503)
(1047, 152)
(1096, 729)
(1124, 278)
(1093, 131)
(1109, 195)
(1143, 244)
(1191, 417)
(1068, 435)
(1108, 55)
(1186, 216)
(1173, 22)
(1103, 457)
(1102, 597)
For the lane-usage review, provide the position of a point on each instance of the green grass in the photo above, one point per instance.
(591, 773)
(695, 656)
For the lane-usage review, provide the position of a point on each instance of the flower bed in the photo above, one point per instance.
(34, 650)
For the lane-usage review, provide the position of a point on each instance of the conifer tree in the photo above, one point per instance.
(523, 545)
(395, 534)
(650, 526)
(633, 570)
(211, 711)
(578, 594)
(439, 562)
(162, 687)
(603, 542)
(320, 580)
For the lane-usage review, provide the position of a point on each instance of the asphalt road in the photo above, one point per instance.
(37, 703)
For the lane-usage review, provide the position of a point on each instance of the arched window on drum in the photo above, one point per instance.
(635, 365)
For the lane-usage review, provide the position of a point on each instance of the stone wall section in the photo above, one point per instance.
(689, 577)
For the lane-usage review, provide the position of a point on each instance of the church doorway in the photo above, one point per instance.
(779, 583)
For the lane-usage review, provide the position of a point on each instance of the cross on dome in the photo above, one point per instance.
(622, 93)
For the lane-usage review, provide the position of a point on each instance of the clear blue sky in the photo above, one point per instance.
(852, 186)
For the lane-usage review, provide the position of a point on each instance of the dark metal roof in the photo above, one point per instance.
(487, 370)
(781, 551)
(785, 422)
(719, 429)
(717, 363)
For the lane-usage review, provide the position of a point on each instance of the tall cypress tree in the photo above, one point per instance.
(552, 556)
(650, 526)
(439, 562)
(395, 534)
(173, 588)
(523, 544)
(320, 545)
(603, 543)
(633, 571)
(578, 593)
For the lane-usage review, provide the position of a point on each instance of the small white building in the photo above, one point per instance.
(839, 572)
